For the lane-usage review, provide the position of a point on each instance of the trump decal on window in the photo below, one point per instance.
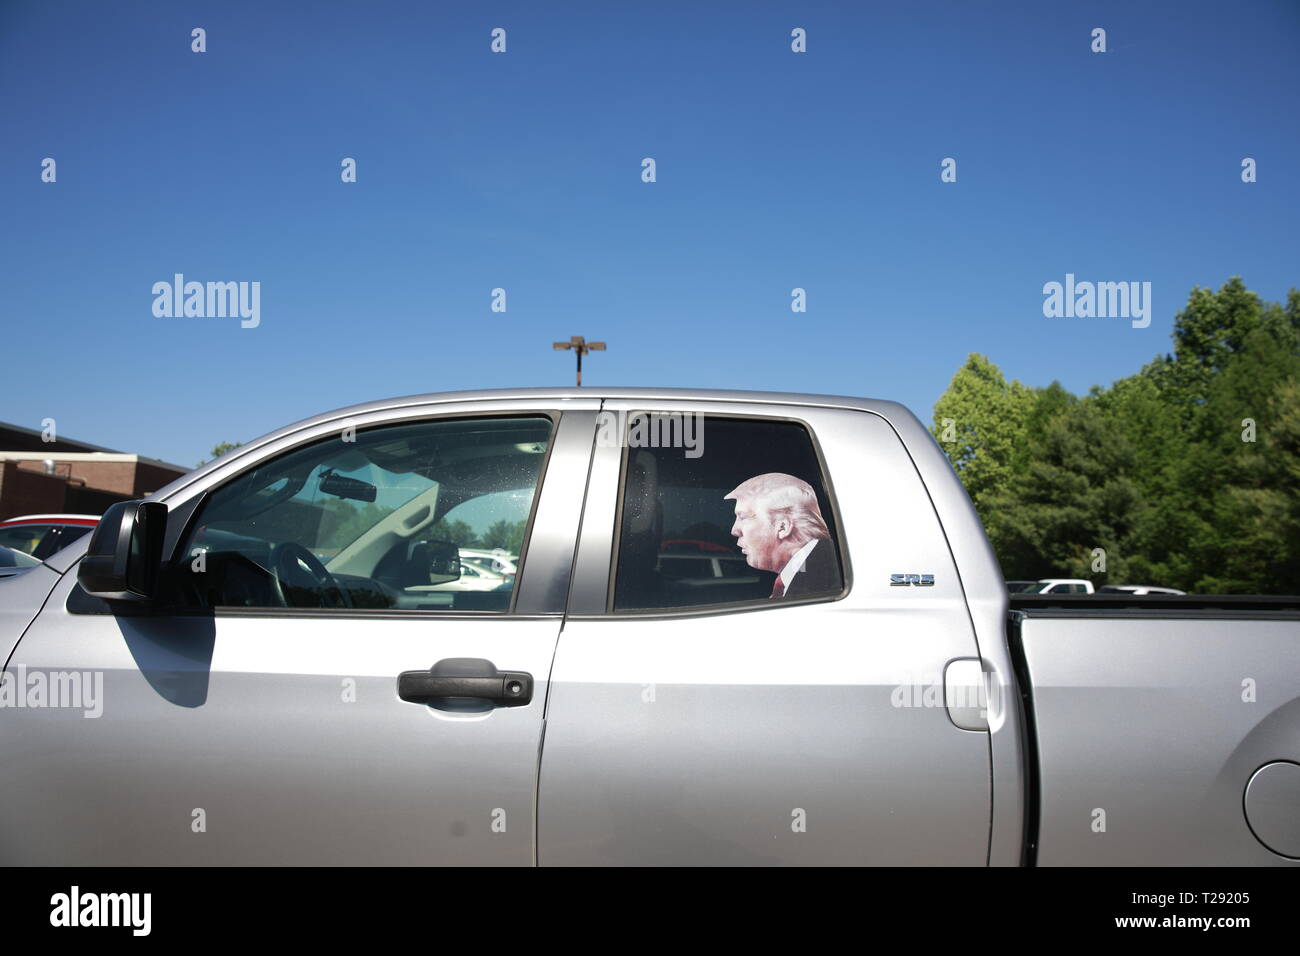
(779, 528)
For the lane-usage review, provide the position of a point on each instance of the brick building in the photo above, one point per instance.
(39, 477)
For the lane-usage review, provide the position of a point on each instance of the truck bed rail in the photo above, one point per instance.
(1156, 604)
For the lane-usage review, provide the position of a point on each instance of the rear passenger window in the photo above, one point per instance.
(741, 516)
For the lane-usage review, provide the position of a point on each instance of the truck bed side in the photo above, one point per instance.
(1151, 721)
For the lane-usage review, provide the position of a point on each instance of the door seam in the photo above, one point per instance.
(564, 616)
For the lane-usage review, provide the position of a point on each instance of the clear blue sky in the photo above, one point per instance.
(522, 170)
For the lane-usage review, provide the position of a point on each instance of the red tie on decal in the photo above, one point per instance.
(778, 588)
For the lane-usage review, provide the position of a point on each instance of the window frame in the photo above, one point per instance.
(706, 610)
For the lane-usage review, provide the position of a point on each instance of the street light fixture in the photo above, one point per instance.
(581, 346)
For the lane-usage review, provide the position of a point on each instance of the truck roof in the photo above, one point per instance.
(899, 417)
(891, 411)
(649, 394)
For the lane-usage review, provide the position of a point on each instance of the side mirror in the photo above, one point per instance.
(124, 559)
(444, 562)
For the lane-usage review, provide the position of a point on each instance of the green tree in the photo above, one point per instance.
(458, 532)
(1159, 469)
(1210, 329)
(342, 522)
(1241, 477)
(1075, 495)
(980, 423)
(220, 449)
(1263, 507)
(505, 534)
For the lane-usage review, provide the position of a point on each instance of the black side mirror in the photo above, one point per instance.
(124, 559)
(444, 562)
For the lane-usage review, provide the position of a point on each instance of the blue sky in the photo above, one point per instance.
(522, 170)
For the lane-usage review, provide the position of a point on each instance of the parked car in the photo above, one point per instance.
(42, 535)
(472, 578)
(1136, 589)
(871, 695)
(1060, 586)
(500, 563)
(676, 566)
(13, 561)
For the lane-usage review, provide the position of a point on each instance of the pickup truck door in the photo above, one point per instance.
(757, 729)
(276, 735)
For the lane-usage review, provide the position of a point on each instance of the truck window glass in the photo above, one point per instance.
(389, 520)
(744, 516)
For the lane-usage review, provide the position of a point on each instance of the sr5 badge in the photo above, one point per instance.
(911, 580)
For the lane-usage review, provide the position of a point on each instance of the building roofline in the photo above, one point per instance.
(90, 456)
(36, 433)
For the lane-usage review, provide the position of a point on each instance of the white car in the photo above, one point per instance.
(472, 578)
(1061, 586)
(1138, 589)
(500, 563)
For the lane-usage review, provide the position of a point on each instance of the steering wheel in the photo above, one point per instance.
(295, 569)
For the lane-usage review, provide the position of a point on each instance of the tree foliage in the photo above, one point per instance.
(1186, 474)
(505, 534)
(220, 449)
(981, 420)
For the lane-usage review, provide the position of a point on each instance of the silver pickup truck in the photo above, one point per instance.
(724, 628)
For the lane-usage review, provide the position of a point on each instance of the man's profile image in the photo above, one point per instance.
(779, 528)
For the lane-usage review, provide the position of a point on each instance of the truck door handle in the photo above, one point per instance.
(965, 694)
(466, 678)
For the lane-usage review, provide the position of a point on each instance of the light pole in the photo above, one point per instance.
(582, 347)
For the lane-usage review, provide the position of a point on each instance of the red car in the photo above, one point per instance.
(42, 535)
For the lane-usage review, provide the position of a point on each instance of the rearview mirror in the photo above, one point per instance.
(444, 562)
(124, 558)
(343, 487)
